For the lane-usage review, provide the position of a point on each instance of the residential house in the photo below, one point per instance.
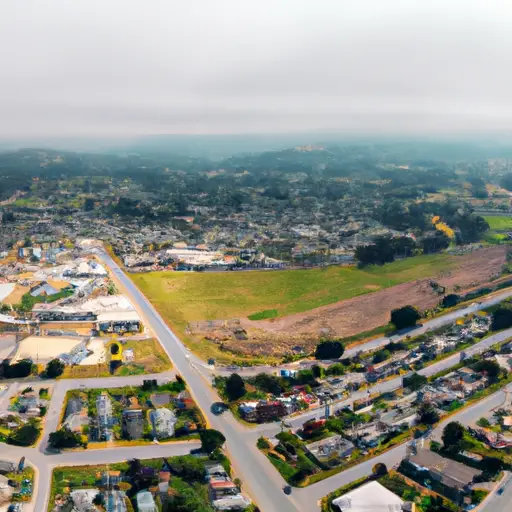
(163, 421)
(236, 502)
(184, 401)
(83, 498)
(76, 421)
(7, 467)
(448, 477)
(133, 423)
(438, 395)
(328, 451)
(371, 496)
(159, 399)
(43, 288)
(115, 501)
(105, 418)
(146, 502)
(269, 411)
(465, 381)
(399, 416)
(110, 478)
(248, 411)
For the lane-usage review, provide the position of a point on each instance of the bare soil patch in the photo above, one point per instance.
(365, 312)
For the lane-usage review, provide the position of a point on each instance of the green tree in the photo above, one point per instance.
(26, 435)
(20, 369)
(65, 438)
(452, 437)
(380, 356)
(428, 414)
(235, 387)
(414, 381)
(188, 467)
(483, 422)
(491, 368)
(379, 469)
(406, 316)
(329, 350)
(99, 499)
(335, 369)
(211, 440)
(262, 443)
(54, 368)
(318, 371)
(502, 317)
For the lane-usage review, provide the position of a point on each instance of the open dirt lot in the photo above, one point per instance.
(42, 349)
(366, 312)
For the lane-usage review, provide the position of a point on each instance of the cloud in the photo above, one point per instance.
(130, 67)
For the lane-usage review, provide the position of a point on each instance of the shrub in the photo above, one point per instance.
(329, 350)
(379, 469)
(54, 369)
(263, 443)
(235, 387)
(406, 316)
(26, 435)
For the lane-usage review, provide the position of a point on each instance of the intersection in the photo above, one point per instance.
(260, 479)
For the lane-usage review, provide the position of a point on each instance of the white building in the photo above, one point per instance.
(164, 421)
(146, 502)
(371, 496)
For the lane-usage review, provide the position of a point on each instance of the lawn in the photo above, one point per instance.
(499, 223)
(182, 297)
(149, 357)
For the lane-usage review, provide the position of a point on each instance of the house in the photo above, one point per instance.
(105, 418)
(236, 502)
(83, 498)
(328, 451)
(109, 478)
(133, 423)
(43, 289)
(159, 399)
(104, 409)
(116, 501)
(269, 411)
(7, 467)
(465, 381)
(399, 416)
(437, 395)
(183, 401)
(248, 411)
(146, 502)
(163, 421)
(371, 496)
(453, 479)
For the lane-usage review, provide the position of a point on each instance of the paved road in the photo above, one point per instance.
(260, 478)
(392, 384)
(309, 496)
(429, 325)
(499, 502)
(61, 387)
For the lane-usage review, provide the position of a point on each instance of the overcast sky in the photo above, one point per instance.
(119, 67)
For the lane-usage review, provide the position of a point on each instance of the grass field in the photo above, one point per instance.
(150, 357)
(499, 223)
(182, 297)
